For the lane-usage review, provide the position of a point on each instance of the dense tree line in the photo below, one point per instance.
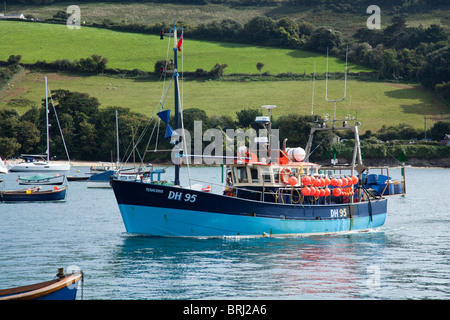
(90, 132)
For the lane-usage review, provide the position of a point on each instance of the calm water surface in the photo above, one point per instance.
(408, 258)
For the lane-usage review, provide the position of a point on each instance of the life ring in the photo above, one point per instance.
(284, 175)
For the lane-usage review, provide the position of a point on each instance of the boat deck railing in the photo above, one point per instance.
(293, 195)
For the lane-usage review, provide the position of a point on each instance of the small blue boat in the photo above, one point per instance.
(34, 195)
(100, 180)
(63, 287)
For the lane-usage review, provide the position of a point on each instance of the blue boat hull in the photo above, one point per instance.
(64, 288)
(168, 211)
(41, 196)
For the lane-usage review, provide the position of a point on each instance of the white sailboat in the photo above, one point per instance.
(31, 162)
(3, 168)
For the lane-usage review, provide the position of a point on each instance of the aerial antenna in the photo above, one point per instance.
(348, 117)
(312, 100)
(345, 86)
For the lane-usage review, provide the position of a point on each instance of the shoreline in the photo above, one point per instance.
(443, 163)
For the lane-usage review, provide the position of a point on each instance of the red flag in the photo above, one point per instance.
(180, 42)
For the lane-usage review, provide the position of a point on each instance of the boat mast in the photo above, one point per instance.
(117, 140)
(175, 78)
(46, 118)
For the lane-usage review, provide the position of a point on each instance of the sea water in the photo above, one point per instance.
(407, 258)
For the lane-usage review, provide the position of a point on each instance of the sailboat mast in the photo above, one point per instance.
(46, 118)
(175, 78)
(117, 140)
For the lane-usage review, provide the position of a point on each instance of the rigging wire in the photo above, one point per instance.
(59, 126)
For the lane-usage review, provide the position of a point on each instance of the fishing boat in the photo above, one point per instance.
(42, 179)
(282, 195)
(63, 287)
(41, 163)
(34, 194)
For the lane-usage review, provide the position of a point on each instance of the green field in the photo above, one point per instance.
(149, 13)
(49, 42)
(377, 104)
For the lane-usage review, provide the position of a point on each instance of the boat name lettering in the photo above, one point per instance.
(338, 213)
(153, 190)
(179, 195)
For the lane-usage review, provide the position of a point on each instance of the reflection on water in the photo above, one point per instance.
(262, 268)
(408, 258)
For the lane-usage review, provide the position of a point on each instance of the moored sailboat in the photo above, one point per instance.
(40, 163)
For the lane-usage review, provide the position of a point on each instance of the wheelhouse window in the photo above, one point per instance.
(254, 175)
(241, 174)
(266, 175)
(276, 175)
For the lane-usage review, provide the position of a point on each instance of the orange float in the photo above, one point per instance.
(337, 192)
(306, 180)
(306, 191)
(292, 181)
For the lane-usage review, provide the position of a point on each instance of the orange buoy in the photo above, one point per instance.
(306, 191)
(292, 181)
(306, 180)
(334, 182)
(344, 181)
(322, 192)
(317, 183)
(338, 182)
(354, 180)
(327, 181)
(337, 192)
(327, 192)
(317, 192)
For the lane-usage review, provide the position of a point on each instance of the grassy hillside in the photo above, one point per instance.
(194, 14)
(377, 103)
(37, 41)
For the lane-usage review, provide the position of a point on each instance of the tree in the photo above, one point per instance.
(259, 66)
(28, 136)
(8, 147)
(217, 70)
(439, 130)
(289, 25)
(435, 33)
(436, 68)
(260, 28)
(246, 118)
(14, 60)
(323, 38)
(389, 64)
